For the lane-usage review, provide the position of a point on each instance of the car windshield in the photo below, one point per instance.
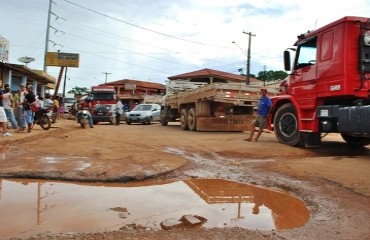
(143, 108)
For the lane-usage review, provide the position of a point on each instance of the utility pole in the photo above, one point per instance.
(106, 75)
(47, 36)
(249, 55)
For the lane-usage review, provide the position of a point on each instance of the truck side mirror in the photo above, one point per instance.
(287, 64)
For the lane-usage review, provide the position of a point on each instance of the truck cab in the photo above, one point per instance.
(104, 100)
(328, 88)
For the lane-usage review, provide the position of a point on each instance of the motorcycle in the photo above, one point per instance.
(83, 118)
(42, 118)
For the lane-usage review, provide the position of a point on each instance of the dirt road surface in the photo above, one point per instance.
(333, 180)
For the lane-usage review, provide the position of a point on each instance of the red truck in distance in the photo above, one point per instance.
(102, 104)
(328, 88)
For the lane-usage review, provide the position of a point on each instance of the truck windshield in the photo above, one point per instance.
(69, 100)
(103, 96)
(307, 54)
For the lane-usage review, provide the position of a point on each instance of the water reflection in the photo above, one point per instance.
(33, 206)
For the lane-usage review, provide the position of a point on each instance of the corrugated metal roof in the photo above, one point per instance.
(206, 72)
(137, 83)
(22, 70)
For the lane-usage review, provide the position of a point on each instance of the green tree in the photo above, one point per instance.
(79, 90)
(268, 76)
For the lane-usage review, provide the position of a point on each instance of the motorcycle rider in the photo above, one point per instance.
(85, 105)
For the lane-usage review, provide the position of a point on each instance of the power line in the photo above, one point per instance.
(137, 26)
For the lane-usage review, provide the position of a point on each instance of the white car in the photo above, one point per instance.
(144, 113)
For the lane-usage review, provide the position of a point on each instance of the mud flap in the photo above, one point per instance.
(309, 139)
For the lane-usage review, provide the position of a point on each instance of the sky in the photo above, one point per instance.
(151, 40)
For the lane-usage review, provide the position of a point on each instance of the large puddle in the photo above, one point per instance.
(28, 207)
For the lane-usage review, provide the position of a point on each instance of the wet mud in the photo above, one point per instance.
(34, 206)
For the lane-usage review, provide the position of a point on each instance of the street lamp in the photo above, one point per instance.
(247, 65)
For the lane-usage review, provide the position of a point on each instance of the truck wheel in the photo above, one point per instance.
(286, 125)
(355, 141)
(183, 119)
(163, 120)
(192, 120)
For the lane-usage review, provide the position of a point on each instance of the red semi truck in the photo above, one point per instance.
(328, 88)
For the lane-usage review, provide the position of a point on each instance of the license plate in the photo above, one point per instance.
(100, 114)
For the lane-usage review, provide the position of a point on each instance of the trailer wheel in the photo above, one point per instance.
(183, 119)
(163, 120)
(355, 141)
(286, 125)
(192, 120)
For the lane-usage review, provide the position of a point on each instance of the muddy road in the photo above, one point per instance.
(332, 181)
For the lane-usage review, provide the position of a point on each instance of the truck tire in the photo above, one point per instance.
(192, 120)
(163, 120)
(286, 125)
(355, 141)
(184, 119)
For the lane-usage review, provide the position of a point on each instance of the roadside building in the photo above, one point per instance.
(212, 76)
(15, 74)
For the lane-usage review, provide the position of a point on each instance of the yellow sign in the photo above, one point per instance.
(59, 59)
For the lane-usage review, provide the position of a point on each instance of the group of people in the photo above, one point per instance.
(16, 109)
(22, 101)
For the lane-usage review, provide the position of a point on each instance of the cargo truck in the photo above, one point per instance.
(328, 88)
(210, 107)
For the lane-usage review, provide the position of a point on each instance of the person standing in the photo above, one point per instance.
(61, 107)
(8, 103)
(263, 110)
(3, 119)
(20, 110)
(56, 106)
(28, 100)
(118, 111)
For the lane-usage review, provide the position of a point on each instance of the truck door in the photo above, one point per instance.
(303, 76)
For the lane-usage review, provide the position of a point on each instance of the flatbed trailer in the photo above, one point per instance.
(210, 107)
